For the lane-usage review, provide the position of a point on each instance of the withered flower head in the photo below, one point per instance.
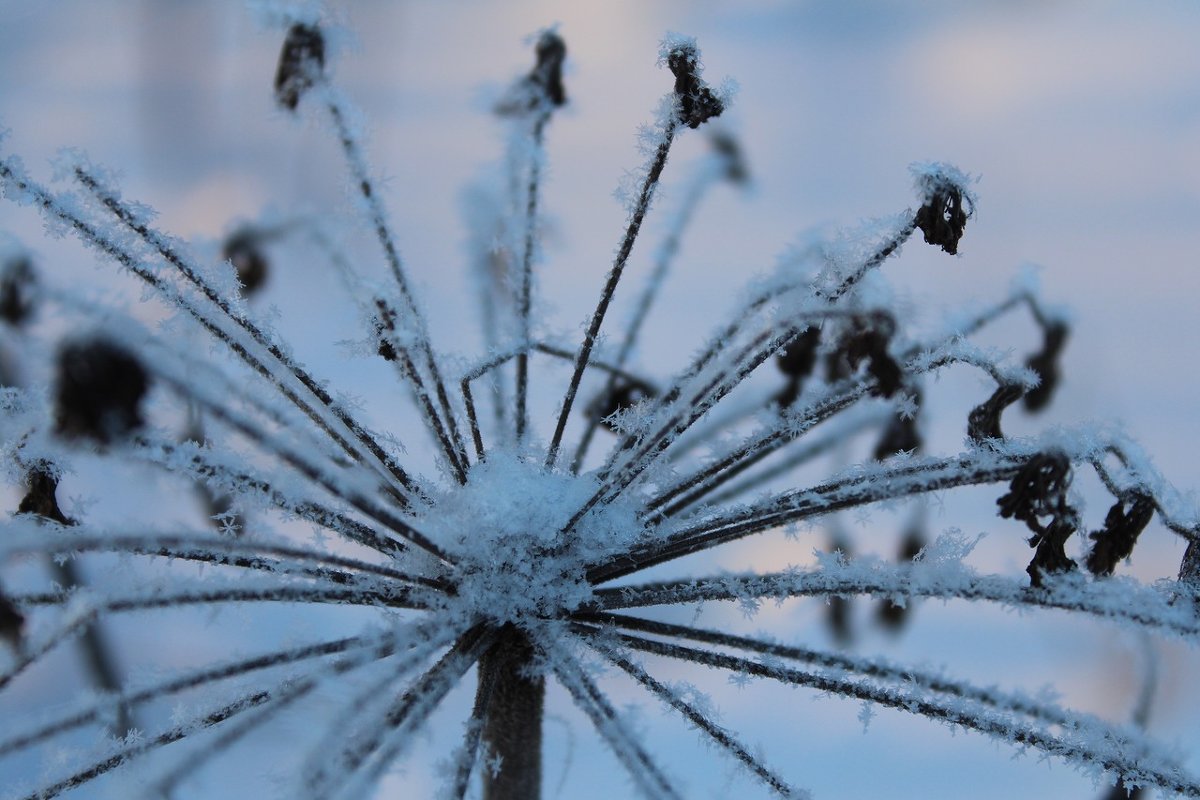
(99, 391)
(301, 63)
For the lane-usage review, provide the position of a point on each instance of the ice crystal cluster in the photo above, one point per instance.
(521, 560)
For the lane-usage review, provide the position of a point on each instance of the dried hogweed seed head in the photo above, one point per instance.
(799, 356)
(542, 90)
(983, 422)
(1038, 490)
(301, 62)
(41, 497)
(17, 285)
(871, 344)
(1050, 557)
(1045, 364)
(1114, 542)
(244, 249)
(697, 103)
(547, 73)
(943, 216)
(796, 360)
(99, 391)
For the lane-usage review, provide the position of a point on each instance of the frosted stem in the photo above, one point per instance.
(610, 285)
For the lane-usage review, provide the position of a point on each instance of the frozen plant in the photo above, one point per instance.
(520, 559)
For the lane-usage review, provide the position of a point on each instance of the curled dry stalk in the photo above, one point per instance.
(519, 561)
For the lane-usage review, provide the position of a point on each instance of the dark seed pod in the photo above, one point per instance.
(301, 62)
(1045, 364)
(730, 153)
(1115, 541)
(547, 73)
(892, 615)
(17, 284)
(1038, 490)
(41, 496)
(624, 395)
(12, 623)
(900, 436)
(798, 358)
(99, 391)
(942, 218)
(244, 249)
(983, 422)
(697, 103)
(542, 89)
(1050, 557)
(872, 345)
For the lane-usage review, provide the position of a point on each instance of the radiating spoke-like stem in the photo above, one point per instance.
(610, 285)
(194, 275)
(892, 483)
(525, 289)
(666, 255)
(705, 725)
(358, 168)
(1112, 752)
(646, 774)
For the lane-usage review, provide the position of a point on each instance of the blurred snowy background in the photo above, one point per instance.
(1081, 118)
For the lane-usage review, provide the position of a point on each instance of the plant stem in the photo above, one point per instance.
(512, 729)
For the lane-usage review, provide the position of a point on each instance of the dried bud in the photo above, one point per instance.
(42, 495)
(1045, 364)
(623, 395)
(17, 284)
(542, 89)
(893, 615)
(1038, 490)
(942, 218)
(799, 356)
(1115, 541)
(301, 62)
(1050, 557)
(730, 152)
(244, 249)
(983, 422)
(547, 73)
(99, 391)
(697, 103)
(872, 344)
(900, 436)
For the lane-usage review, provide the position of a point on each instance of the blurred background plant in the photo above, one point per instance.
(1094, 170)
